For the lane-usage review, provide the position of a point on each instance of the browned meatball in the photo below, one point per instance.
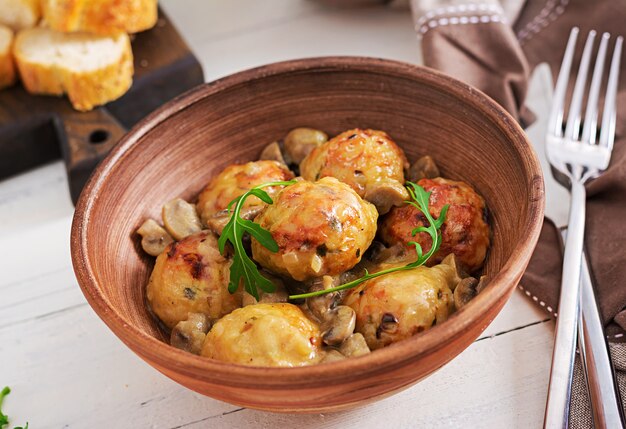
(367, 160)
(399, 305)
(321, 228)
(464, 233)
(191, 276)
(235, 180)
(276, 334)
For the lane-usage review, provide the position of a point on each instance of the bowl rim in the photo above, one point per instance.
(397, 354)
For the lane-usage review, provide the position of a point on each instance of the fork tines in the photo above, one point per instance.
(572, 132)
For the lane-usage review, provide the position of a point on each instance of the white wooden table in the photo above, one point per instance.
(67, 369)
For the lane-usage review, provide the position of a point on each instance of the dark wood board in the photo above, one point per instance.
(35, 130)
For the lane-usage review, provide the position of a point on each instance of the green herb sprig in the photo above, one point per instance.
(420, 199)
(243, 267)
(4, 419)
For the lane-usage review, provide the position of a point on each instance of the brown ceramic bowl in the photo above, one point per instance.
(175, 151)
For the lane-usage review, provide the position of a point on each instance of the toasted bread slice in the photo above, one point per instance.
(19, 14)
(7, 68)
(100, 16)
(90, 69)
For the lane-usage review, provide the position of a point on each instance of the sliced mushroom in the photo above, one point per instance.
(467, 289)
(180, 218)
(453, 261)
(218, 221)
(332, 355)
(385, 195)
(388, 325)
(378, 253)
(279, 295)
(189, 334)
(272, 152)
(299, 142)
(423, 168)
(354, 346)
(154, 239)
(338, 325)
(319, 306)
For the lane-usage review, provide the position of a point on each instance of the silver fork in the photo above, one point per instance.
(579, 158)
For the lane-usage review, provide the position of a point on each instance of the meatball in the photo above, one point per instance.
(191, 276)
(465, 231)
(321, 228)
(235, 180)
(399, 305)
(367, 160)
(265, 335)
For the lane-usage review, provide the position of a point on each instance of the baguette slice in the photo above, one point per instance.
(100, 16)
(91, 70)
(7, 68)
(19, 14)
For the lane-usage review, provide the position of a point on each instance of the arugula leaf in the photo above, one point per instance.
(420, 199)
(244, 268)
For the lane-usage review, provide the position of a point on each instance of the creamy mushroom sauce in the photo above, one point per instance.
(345, 214)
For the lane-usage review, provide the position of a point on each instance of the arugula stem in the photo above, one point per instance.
(420, 201)
(353, 283)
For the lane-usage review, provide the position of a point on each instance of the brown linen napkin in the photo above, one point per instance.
(474, 43)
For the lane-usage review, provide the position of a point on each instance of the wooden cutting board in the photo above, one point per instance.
(35, 130)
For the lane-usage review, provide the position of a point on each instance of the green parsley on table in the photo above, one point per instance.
(4, 419)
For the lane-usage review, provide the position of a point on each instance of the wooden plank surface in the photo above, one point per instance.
(67, 369)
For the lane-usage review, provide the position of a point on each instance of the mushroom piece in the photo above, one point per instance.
(354, 346)
(453, 261)
(299, 142)
(180, 218)
(272, 152)
(319, 306)
(218, 221)
(423, 168)
(379, 253)
(385, 195)
(339, 325)
(467, 289)
(279, 295)
(332, 355)
(189, 334)
(154, 239)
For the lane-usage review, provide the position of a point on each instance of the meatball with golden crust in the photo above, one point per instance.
(235, 180)
(399, 305)
(321, 228)
(265, 335)
(465, 231)
(367, 160)
(191, 276)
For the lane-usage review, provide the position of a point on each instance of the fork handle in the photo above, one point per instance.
(603, 392)
(559, 390)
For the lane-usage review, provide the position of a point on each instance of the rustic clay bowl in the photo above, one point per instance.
(175, 151)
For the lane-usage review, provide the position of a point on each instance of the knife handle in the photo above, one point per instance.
(604, 394)
(603, 391)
